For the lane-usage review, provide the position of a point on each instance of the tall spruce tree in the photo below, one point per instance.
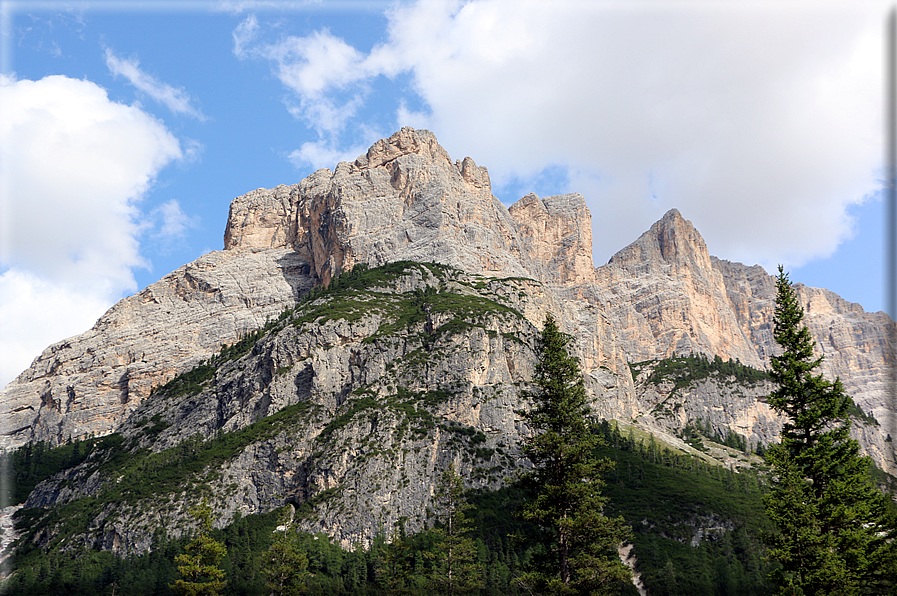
(393, 566)
(200, 574)
(455, 568)
(836, 531)
(566, 480)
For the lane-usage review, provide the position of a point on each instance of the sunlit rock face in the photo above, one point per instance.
(406, 199)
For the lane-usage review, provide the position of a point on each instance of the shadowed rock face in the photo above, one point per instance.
(405, 199)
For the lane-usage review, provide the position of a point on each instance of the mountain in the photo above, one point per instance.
(238, 376)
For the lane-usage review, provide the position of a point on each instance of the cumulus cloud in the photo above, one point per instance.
(175, 99)
(327, 76)
(73, 165)
(35, 313)
(761, 125)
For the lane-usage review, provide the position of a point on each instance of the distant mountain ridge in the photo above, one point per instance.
(405, 199)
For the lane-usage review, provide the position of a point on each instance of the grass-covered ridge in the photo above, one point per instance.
(684, 371)
(362, 292)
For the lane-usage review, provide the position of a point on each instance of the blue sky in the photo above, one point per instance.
(128, 127)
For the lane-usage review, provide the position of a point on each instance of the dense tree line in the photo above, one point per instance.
(649, 484)
(685, 370)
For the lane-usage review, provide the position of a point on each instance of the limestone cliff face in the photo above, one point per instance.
(556, 233)
(854, 343)
(663, 297)
(405, 198)
(90, 383)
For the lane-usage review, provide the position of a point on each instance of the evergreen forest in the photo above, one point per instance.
(660, 494)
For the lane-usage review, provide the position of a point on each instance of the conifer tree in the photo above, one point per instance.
(198, 567)
(455, 568)
(285, 566)
(566, 478)
(393, 566)
(835, 530)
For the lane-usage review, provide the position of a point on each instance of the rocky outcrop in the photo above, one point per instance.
(855, 344)
(556, 233)
(405, 199)
(89, 384)
(663, 297)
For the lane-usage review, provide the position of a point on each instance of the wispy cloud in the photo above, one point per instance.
(175, 99)
(173, 222)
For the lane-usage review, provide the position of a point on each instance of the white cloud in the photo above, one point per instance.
(35, 313)
(760, 124)
(174, 222)
(323, 154)
(244, 35)
(312, 67)
(73, 164)
(175, 99)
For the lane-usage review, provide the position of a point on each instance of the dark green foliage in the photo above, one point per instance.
(695, 429)
(140, 474)
(198, 566)
(284, 564)
(854, 411)
(394, 563)
(663, 495)
(566, 479)
(355, 294)
(354, 407)
(659, 494)
(835, 533)
(687, 370)
(189, 383)
(31, 464)
(455, 569)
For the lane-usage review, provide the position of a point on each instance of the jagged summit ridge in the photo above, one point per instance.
(405, 199)
(671, 241)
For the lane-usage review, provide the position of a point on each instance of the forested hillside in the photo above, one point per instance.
(697, 530)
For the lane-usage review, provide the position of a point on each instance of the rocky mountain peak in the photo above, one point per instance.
(407, 141)
(405, 199)
(671, 241)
